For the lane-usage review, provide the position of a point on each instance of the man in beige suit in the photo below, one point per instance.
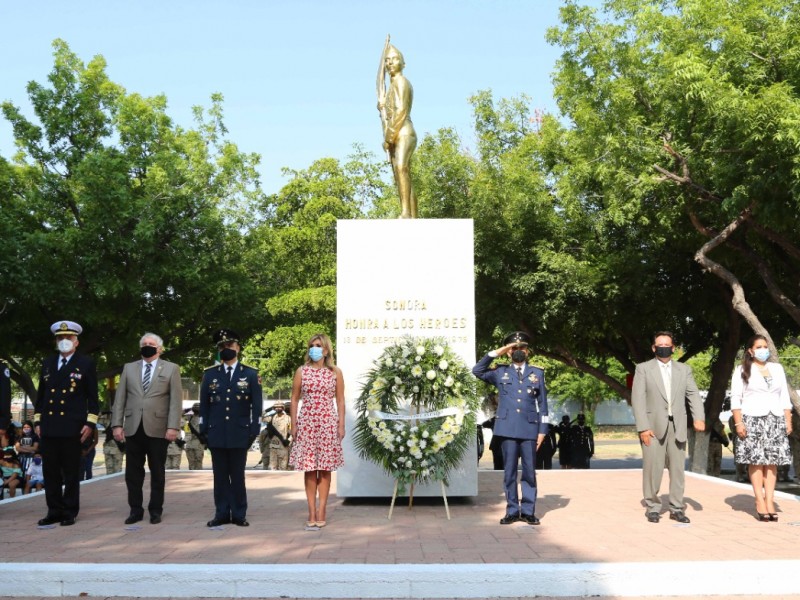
(147, 417)
(661, 388)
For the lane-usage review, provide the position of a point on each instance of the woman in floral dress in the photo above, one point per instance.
(318, 428)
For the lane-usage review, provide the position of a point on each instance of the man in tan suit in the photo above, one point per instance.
(147, 417)
(661, 388)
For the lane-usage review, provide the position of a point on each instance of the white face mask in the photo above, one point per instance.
(65, 345)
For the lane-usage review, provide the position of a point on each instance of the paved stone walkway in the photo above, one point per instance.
(592, 522)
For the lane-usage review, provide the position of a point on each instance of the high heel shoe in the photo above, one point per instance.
(773, 517)
(763, 517)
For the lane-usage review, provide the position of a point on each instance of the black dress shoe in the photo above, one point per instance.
(134, 518)
(508, 519)
(48, 520)
(678, 516)
(653, 517)
(68, 521)
(215, 522)
(530, 519)
(155, 519)
(240, 522)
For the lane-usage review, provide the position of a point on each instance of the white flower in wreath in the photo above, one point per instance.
(417, 358)
(416, 371)
(443, 364)
(438, 350)
(425, 434)
(423, 444)
(397, 380)
(388, 361)
(449, 381)
(420, 350)
(415, 389)
(431, 374)
(409, 464)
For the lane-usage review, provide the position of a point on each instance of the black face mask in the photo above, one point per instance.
(148, 351)
(663, 351)
(518, 356)
(227, 354)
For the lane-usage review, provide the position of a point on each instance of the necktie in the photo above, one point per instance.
(146, 379)
(230, 373)
(519, 373)
(63, 363)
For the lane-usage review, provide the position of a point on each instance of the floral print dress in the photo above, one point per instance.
(316, 446)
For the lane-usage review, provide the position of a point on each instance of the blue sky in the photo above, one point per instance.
(298, 77)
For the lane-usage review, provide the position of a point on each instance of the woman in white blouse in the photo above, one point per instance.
(762, 416)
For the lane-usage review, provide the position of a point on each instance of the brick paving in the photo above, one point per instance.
(593, 516)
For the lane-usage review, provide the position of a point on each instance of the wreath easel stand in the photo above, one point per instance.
(411, 498)
(411, 491)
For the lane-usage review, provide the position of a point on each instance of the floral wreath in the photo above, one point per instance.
(415, 416)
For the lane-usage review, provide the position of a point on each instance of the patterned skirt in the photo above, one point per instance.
(766, 442)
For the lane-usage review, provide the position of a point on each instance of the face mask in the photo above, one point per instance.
(149, 351)
(227, 354)
(37, 461)
(26, 431)
(663, 351)
(65, 345)
(518, 356)
(762, 354)
(315, 352)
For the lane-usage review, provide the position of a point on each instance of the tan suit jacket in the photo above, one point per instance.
(649, 398)
(157, 410)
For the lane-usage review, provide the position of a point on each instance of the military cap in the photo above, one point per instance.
(517, 337)
(223, 336)
(277, 404)
(66, 328)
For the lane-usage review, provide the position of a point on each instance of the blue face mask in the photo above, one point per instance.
(761, 354)
(315, 352)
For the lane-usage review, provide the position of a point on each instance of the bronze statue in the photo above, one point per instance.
(399, 137)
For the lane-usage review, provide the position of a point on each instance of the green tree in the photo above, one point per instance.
(292, 254)
(114, 216)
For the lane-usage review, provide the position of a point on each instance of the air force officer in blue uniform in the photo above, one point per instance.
(230, 409)
(521, 423)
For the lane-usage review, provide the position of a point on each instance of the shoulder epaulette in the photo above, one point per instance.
(211, 367)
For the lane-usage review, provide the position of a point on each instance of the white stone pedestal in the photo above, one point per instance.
(394, 278)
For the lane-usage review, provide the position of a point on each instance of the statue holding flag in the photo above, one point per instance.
(399, 137)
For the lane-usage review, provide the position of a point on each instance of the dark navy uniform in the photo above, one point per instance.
(230, 411)
(66, 401)
(521, 417)
(5, 397)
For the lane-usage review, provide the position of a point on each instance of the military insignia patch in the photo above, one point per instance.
(533, 378)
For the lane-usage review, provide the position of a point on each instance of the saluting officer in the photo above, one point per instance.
(230, 408)
(65, 417)
(522, 421)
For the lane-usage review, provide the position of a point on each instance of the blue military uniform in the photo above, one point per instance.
(521, 417)
(230, 411)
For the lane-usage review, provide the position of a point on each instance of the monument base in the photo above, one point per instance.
(394, 278)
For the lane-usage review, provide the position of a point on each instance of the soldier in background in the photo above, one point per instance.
(195, 446)
(278, 430)
(174, 452)
(564, 446)
(717, 440)
(581, 439)
(263, 444)
(113, 451)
